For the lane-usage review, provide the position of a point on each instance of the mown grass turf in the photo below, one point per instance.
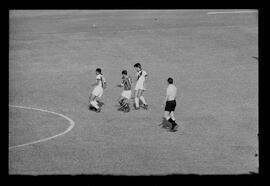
(53, 57)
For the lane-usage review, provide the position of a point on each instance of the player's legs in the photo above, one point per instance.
(138, 94)
(136, 99)
(124, 105)
(172, 115)
(121, 103)
(167, 115)
(172, 120)
(97, 92)
(121, 100)
(93, 101)
(142, 98)
(175, 124)
(126, 94)
(99, 95)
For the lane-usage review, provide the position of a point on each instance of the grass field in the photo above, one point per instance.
(212, 58)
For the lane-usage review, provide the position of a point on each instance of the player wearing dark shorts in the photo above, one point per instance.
(170, 104)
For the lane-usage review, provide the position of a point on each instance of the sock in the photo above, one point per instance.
(143, 100)
(94, 103)
(121, 102)
(127, 105)
(172, 122)
(137, 102)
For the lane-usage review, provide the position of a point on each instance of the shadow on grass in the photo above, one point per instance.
(165, 124)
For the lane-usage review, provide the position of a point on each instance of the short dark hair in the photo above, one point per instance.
(124, 72)
(170, 80)
(138, 65)
(98, 70)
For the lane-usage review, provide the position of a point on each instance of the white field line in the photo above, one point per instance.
(72, 123)
(233, 12)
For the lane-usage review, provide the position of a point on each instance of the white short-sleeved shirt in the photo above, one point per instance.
(141, 76)
(171, 92)
(100, 83)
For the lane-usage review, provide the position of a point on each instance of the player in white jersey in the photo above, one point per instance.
(140, 87)
(97, 92)
(170, 104)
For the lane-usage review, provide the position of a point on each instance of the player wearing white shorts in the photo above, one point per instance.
(126, 93)
(140, 87)
(97, 92)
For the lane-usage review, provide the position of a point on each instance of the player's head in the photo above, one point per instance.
(170, 80)
(124, 72)
(98, 71)
(138, 66)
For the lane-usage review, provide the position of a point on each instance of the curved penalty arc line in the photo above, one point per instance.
(72, 124)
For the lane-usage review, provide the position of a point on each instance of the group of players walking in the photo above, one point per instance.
(124, 100)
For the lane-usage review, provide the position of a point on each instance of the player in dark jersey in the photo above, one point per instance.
(126, 93)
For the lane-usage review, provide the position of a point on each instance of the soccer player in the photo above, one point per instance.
(99, 85)
(140, 88)
(170, 104)
(126, 94)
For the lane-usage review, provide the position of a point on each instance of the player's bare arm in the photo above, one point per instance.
(104, 85)
(120, 85)
(146, 78)
(130, 79)
(166, 98)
